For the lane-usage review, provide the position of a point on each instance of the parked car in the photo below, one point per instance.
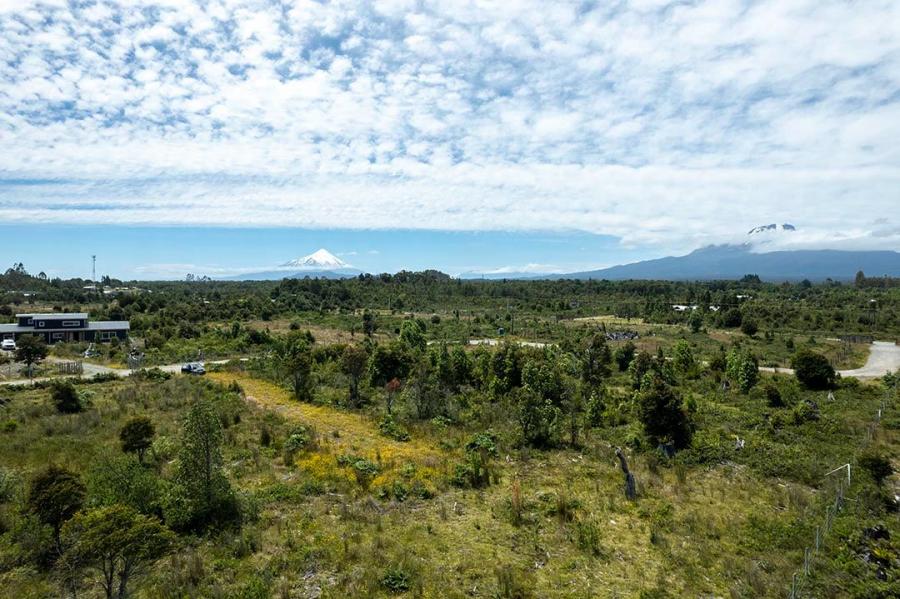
(8, 345)
(193, 368)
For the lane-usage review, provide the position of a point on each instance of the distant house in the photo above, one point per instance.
(683, 307)
(65, 327)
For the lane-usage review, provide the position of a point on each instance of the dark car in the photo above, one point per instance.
(193, 368)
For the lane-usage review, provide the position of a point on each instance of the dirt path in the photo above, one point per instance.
(91, 369)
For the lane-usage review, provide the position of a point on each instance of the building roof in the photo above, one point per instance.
(109, 325)
(76, 315)
(102, 325)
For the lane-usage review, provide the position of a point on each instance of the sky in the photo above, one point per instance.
(224, 135)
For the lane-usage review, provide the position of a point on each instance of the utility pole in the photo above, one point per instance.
(94, 269)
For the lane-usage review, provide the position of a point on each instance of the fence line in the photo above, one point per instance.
(833, 508)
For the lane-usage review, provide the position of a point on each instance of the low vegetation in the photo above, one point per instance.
(396, 462)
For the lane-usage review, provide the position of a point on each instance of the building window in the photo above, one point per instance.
(41, 324)
(29, 322)
(71, 323)
(106, 335)
(58, 335)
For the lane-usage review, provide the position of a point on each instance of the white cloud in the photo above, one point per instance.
(662, 123)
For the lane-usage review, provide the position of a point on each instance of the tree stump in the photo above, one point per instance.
(630, 491)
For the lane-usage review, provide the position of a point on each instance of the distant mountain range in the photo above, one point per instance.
(727, 262)
(735, 261)
(321, 264)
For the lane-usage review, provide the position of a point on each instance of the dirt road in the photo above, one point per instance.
(93, 369)
(884, 357)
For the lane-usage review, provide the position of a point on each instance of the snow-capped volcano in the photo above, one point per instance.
(319, 260)
(771, 228)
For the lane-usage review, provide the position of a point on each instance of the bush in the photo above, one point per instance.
(396, 580)
(876, 464)
(391, 428)
(749, 327)
(732, 318)
(65, 397)
(773, 396)
(475, 470)
(813, 370)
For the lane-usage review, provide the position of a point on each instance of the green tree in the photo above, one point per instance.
(65, 397)
(137, 436)
(662, 415)
(749, 327)
(368, 324)
(732, 318)
(55, 495)
(121, 479)
(683, 358)
(388, 362)
(202, 494)
(505, 368)
(595, 359)
(30, 350)
(539, 419)
(748, 373)
(639, 367)
(742, 369)
(294, 360)
(813, 370)
(354, 361)
(623, 355)
(118, 543)
(412, 335)
(695, 320)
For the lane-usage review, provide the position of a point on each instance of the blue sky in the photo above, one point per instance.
(170, 252)
(637, 128)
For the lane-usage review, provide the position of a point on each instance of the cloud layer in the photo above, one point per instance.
(666, 123)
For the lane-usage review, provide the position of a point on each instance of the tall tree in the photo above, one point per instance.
(595, 359)
(662, 415)
(117, 542)
(30, 351)
(354, 361)
(137, 436)
(203, 494)
(294, 360)
(56, 494)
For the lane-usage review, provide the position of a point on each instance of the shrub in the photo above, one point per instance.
(876, 464)
(749, 327)
(624, 355)
(65, 397)
(661, 413)
(773, 396)
(813, 370)
(137, 436)
(587, 536)
(391, 428)
(806, 411)
(396, 580)
(475, 470)
(9, 426)
(732, 318)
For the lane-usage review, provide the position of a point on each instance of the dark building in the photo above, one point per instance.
(65, 327)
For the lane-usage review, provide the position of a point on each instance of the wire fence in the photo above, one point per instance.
(836, 505)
